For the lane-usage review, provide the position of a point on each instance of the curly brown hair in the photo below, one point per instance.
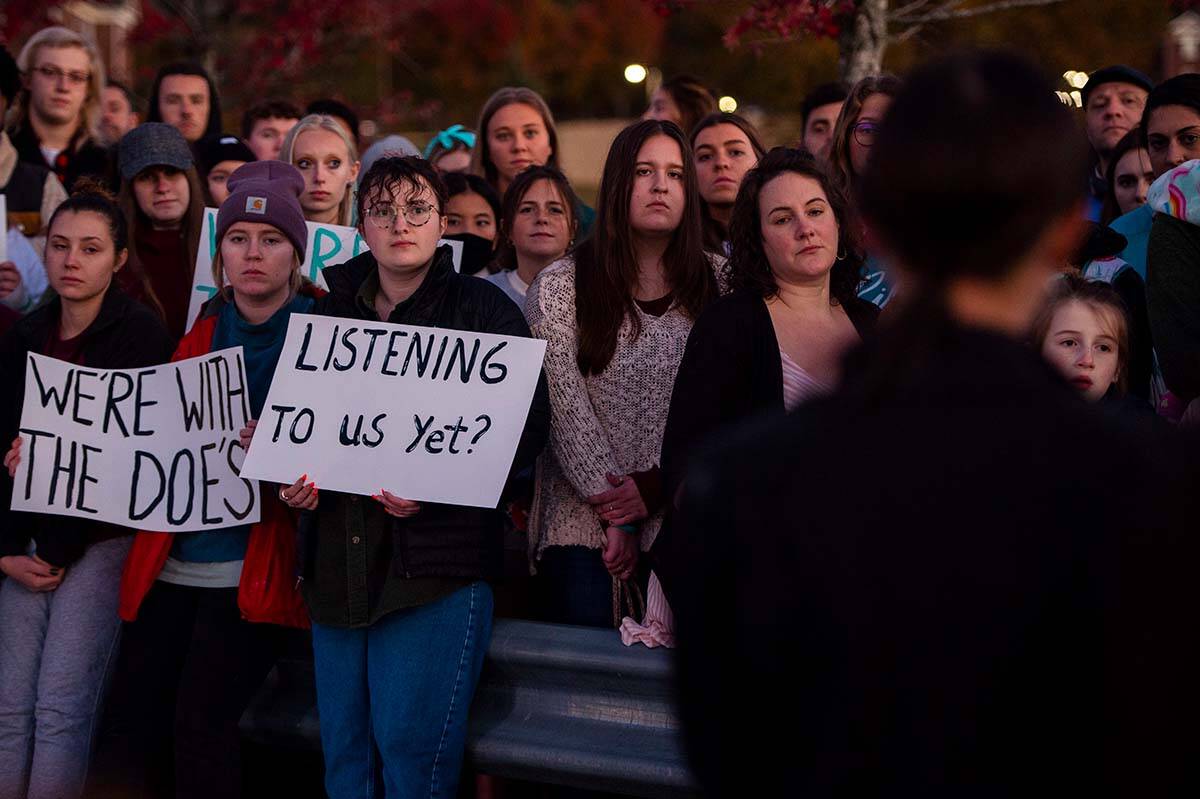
(748, 265)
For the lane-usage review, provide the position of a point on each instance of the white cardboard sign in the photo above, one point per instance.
(428, 414)
(152, 449)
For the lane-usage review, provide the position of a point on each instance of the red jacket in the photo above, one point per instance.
(267, 591)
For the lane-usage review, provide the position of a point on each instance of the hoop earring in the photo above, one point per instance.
(843, 255)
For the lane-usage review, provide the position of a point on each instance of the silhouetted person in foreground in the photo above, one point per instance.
(923, 585)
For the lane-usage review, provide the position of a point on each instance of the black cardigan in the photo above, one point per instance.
(125, 335)
(731, 370)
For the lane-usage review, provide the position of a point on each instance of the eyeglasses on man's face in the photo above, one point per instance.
(384, 215)
(54, 75)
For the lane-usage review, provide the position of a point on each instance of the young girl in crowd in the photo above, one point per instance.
(472, 206)
(450, 150)
(208, 612)
(162, 199)
(615, 316)
(779, 338)
(683, 100)
(1129, 177)
(324, 152)
(853, 137)
(725, 147)
(58, 603)
(1084, 333)
(401, 610)
(518, 132)
(537, 226)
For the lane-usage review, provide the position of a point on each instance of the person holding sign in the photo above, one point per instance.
(326, 156)
(207, 611)
(58, 601)
(615, 317)
(164, 203)
(401, 610)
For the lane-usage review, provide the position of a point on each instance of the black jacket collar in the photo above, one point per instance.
(421, 308)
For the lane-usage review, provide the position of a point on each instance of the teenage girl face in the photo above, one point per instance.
(873, 110)
(323, 160)
(723, 155)
(468, 212)
(80, 256)
(1173, 136)
(258, 260)
(544, 224)
(799, 230)
(1132, 179)
(399, 245)
(657, 201)
(163, 194)
(1082, 344)
(516, 140)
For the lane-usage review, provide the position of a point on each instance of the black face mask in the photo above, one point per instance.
(477, 252)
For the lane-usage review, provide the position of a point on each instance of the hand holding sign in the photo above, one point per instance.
(434, 415)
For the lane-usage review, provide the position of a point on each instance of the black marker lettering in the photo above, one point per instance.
(374, 333)
(487, 364)
(204, 484)
(436, 437)
(421, 428)
(193, 412)
(78, 393)
(300, 364)
(348, 344)
(191, 481)
(52, 394)
(84, 479)
(249, 485)
(464, 367)
(68, 470)
(455, 430)
(332, 344)
(280, 410)
(422, 357)
(375, 426)
(110, 404)
(392, 352)
(33, 437)
(133, 486)
(139, 403)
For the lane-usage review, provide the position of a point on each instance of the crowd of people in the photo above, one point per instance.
(891, 419)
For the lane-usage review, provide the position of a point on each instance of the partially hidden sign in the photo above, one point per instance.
(328, 245)
(152, 449)
(428, 414)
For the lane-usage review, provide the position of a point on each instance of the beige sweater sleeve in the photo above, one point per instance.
(579, 442)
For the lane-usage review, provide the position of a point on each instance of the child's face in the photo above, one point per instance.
(1082, 345)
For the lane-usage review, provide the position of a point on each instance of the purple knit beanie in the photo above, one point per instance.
(267, 192)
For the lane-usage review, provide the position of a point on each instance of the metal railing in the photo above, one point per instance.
(556, 704)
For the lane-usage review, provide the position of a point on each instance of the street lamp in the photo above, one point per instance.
(635, 73)
(727, 104)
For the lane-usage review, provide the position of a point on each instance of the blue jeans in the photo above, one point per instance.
(58, 650)
(399, 691)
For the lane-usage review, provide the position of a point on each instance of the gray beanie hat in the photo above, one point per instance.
(152, 144)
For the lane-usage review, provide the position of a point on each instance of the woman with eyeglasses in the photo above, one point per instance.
(397, 590)
(853, 137)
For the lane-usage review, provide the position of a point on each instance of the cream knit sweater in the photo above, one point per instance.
(607, 422)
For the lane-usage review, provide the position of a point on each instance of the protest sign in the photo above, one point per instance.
(153, 449)
(328, 245)
(428, 414)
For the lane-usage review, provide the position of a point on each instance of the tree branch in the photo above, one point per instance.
(907, 33)
(949, 11)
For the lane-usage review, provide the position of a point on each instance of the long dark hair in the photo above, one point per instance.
(606, 268)
(714, 231)
(506, 254)
(193, 221)
(748, 265)
(840, 166)
(1130, 141)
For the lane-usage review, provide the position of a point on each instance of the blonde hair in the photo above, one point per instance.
(481, 158)
(326, 123)
(60, 37)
